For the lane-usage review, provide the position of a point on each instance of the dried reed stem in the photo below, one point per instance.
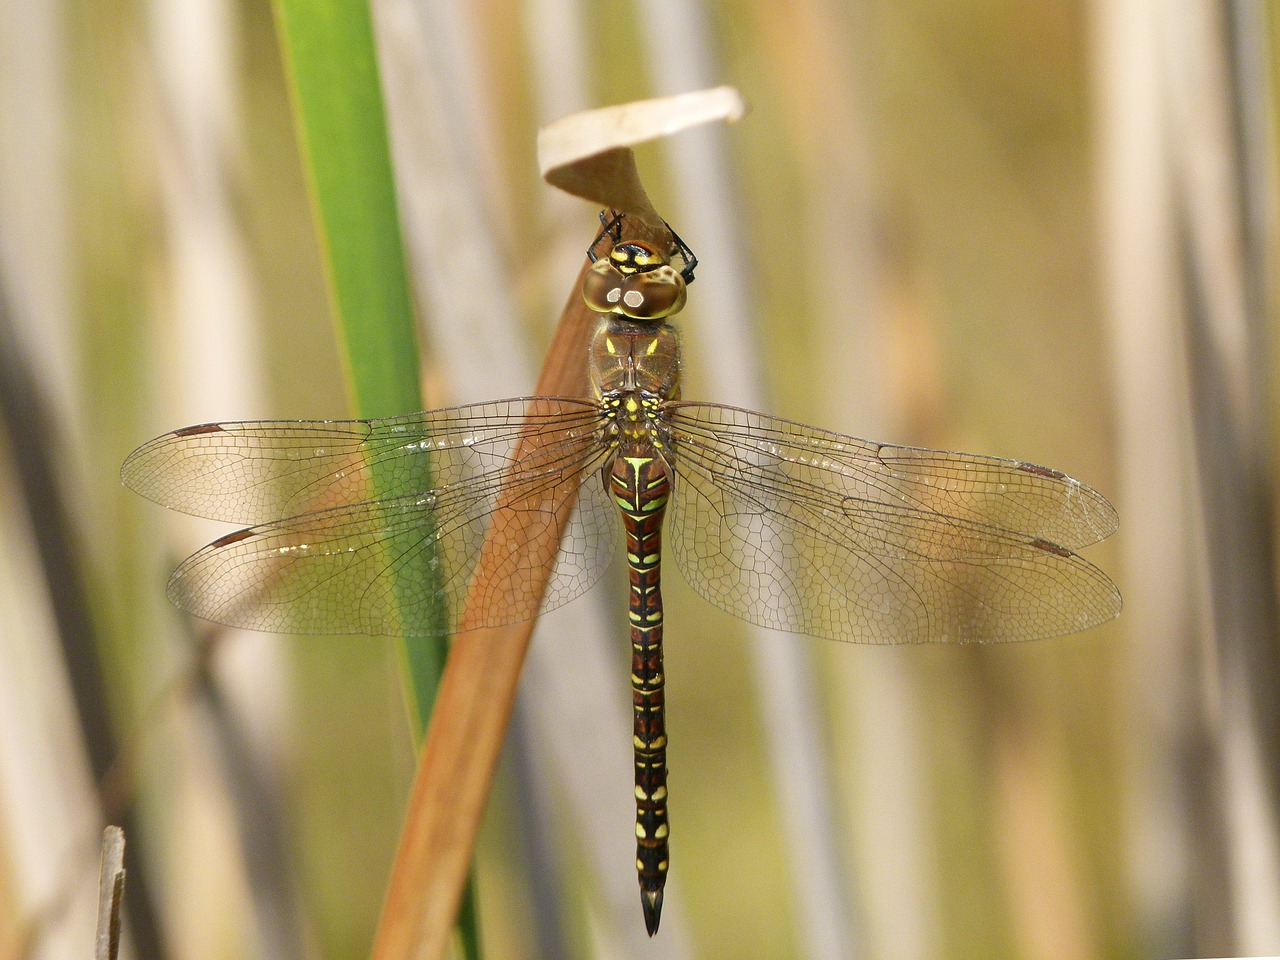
(473, 706)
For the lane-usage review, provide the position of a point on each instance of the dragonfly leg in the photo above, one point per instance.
(610, 227)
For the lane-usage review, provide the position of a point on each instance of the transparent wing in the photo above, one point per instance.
(801, 529)
(260, 471)
(334, 570)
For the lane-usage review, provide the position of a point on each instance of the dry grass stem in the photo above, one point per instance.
(106, 944)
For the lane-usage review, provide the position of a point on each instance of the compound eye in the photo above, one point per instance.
(654, 294)
(602, 287)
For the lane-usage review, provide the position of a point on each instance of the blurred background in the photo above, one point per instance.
(1043, 230)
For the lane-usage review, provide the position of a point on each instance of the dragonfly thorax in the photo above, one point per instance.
(630, 357)
(635, 421)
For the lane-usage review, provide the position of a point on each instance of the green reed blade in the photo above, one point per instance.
(332, 72)
(333, 77)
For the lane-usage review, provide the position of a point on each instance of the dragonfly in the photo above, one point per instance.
(784, 525)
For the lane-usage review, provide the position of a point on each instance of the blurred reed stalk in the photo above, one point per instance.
(212, 363)
(62, 715)
(1220, 115)
(1183, 115)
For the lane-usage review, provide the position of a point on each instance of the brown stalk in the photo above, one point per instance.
(106, 944)
(474, 701)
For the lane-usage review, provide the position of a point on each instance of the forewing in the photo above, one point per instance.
(256, 472)
(1018, 497)
(805, 530)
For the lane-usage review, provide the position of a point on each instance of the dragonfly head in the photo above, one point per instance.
(636, 280)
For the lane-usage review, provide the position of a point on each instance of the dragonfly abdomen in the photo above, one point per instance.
(641, 485)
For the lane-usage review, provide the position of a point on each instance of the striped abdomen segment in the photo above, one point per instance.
(641, 486)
